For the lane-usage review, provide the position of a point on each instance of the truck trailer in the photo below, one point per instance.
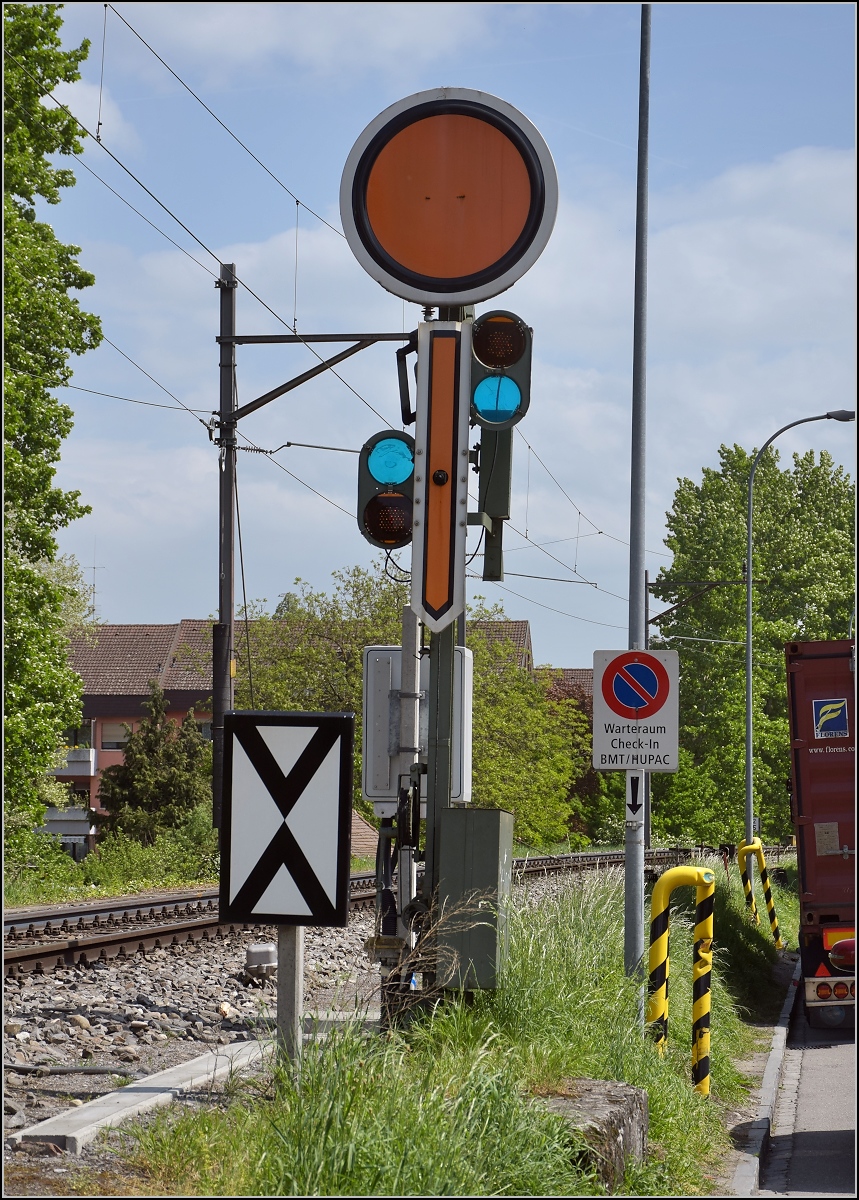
(821, 707)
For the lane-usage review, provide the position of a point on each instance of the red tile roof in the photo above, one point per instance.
(569, 681)
(120, 660)
(518, 632)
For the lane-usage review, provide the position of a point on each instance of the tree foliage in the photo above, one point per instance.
(528, 751)
(164, 775)
(803, 590)
(43, 326)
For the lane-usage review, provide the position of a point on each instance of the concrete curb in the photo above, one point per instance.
(78, 1127)
(747, 1174)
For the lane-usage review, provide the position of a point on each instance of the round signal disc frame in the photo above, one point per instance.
(396, 238)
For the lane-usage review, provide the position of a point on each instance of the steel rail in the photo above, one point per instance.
(124, 926)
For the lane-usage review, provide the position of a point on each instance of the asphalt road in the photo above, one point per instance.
(812, 1148)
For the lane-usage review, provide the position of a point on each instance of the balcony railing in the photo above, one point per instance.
(80, 760)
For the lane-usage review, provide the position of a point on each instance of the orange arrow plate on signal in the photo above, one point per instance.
(441, 472)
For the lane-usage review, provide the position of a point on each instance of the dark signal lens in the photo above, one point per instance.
(388, 518)
(498, 342)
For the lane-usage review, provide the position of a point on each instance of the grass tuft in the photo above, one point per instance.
(450, 1105)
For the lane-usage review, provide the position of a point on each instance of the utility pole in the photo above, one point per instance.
(634, 829)
(222, 631)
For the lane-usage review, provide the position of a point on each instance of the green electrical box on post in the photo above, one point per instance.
(386, 473)
(475, 878)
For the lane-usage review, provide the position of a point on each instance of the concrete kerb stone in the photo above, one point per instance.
(75, 1129)
(611, 1117)
(747, 1173)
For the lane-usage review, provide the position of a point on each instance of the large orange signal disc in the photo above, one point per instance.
(448, 196)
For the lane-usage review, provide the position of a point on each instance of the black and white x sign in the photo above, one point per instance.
(286, 817)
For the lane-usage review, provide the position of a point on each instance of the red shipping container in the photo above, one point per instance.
(821, 707)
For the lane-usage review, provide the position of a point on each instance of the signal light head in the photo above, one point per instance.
(386, 469)
(824, 991)
(500, 369)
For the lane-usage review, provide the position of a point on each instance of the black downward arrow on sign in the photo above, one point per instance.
(283, 849)
(633, 804)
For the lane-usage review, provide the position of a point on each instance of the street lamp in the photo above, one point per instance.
(841, 414)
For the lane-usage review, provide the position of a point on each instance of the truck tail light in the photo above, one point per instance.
(841, 990)
(824, 991)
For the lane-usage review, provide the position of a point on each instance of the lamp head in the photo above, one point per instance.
(841, 414)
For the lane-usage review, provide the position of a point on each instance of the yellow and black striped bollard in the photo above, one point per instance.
(743, 851)
(768, 896)
(704, 881)
(702, 967)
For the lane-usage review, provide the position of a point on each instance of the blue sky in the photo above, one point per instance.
(751, 277)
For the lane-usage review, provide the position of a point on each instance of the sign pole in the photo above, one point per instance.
(290, 991)
(634, 823)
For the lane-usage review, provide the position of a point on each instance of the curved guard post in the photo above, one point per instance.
(702, 967)
(743, 851)
(704, 882)
(758, 850)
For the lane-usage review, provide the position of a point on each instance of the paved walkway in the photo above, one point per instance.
(811, 1150)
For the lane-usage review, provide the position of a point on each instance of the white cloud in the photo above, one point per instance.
(85, 101)
(334, 40)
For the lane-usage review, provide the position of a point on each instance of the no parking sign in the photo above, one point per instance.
(636, 710)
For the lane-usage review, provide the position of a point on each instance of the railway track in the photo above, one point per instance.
(42, 938)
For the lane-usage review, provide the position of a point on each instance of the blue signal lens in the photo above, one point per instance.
(390, 461)
(497, 398)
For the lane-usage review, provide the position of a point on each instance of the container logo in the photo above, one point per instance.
(830, 718)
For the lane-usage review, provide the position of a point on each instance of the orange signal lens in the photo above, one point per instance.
(498, 342)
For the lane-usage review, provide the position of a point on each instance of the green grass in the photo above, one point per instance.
(178, 858)
(449, 1104)
(360, 863)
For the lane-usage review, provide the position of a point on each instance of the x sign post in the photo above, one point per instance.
(285, 853)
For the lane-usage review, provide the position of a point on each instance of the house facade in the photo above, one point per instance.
(117, 663)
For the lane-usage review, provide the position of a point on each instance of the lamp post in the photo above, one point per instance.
(840, 414)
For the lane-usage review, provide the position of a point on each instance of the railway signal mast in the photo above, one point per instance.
(447, 198)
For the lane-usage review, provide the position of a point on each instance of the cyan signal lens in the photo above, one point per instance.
(497, 398)
(390, 461)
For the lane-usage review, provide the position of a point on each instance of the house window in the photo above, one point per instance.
(114, 735)
(73, 739)
(205, 730)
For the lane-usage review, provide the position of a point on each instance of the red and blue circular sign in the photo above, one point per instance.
(635, 685)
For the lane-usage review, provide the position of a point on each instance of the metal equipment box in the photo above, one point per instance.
(475, 876)
(381, 726)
